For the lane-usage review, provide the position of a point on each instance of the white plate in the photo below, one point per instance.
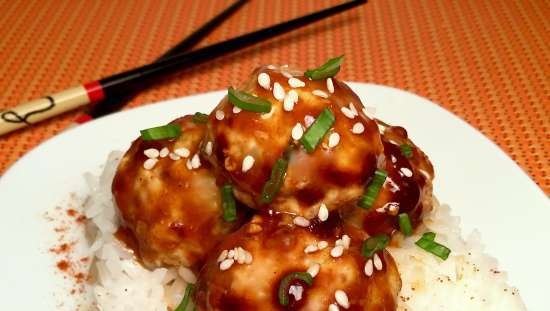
(480, 182)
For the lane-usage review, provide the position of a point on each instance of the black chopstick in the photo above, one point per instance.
(112, 104)
(133, 80)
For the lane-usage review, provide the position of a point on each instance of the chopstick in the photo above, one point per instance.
(128, 81)
(113, 104)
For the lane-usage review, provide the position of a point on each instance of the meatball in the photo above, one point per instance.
(407, 189)
(246, 144)
(171, 205)
(268, 248)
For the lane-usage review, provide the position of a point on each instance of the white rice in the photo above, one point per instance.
(468, 280)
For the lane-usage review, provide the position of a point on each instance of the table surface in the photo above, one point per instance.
(486, 61)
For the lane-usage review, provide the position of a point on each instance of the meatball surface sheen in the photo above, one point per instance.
(277, 247)
(173, 210)
(335, 173)
(407, 188)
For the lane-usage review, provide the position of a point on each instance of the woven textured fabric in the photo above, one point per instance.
(486, 61)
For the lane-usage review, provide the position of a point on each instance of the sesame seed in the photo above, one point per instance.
(219, 115)
(286, 74)
(231, 254)
(295, 83)
(296, 291)
(187, 275)
(323, 212)
(405, 171)
(236, 109)
(301, 221)
(294, 95)
(288, 103)
(278, 92)
(330, 85)
(313, 270)
(312, 248)
(149, 163)
(222, 256)
(393, 208)
(271, 67)
(333, 307)
(182, 152)
(248, 259)
(208, 148)
(174, 156)
(358, 128)
(226, 264)
(322, 245)
(393, 159)
(337, 251)
(297, 131)
(248, 162)
(333, 140)
(346, 241)
(347, 112)
(264, 81)
(377, 262)
(381, 210)
(368, 268)
(308, 120)
(342, 298)
(151, 153)
(241, 255)
(320, 93)
(196, 161)
(188, 164)
(164, 152)
(352, 108)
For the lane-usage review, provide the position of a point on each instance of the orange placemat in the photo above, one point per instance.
(486, 61)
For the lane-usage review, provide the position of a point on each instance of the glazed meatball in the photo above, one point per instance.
(246, 144)
(407, 188)
(271, 247)
(169, 199)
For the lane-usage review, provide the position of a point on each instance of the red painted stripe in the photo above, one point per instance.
(83, 118)
(95, 91)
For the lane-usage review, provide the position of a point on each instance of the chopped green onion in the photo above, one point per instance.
(161, 132)
(374, 244)
(275, 182)
(429, 236)
(406, 150)
(405, 224)
(373, 189)
(317, 130)
(186, 298)
(199, 117)
(284, 298)
(329, 69)
(427, 243)
(228, 203)
(247, 101)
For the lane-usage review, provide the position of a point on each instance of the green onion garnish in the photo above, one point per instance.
(317, 130)
(228, 203)
(284, 298)
(275, 182)
(374, 244)
(329, 69)
(186, 298)
(405, 224)
(199, 117)
(429, 236)
(427, 243)
(247, 101)
(367, 199)
(161, 132)
(406, 150)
